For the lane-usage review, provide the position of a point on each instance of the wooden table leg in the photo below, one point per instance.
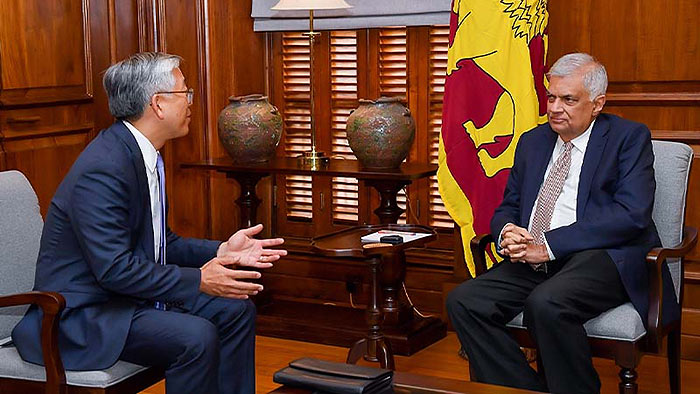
(356, 352)
(388, 211)
(396, 312)
(373, 347)
(384, 354)
(248, 201)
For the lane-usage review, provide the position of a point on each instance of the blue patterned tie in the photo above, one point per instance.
(161, 187)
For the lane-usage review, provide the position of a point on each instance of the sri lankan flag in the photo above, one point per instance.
(494, 92)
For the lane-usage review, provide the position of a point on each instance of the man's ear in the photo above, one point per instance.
(155, 105)
(598, 104)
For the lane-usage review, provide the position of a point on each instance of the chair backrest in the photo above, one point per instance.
(20, 234)
(672, 162)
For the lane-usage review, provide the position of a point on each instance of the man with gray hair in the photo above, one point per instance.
(574, 228)
(134, 290)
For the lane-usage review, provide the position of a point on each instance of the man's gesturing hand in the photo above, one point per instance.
(250, 252)
(220, 280)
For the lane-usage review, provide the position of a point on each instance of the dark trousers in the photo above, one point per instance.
(208, 349)
(555, 305)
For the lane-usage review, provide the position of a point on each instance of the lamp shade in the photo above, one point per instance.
(310, 5)
(363, 14)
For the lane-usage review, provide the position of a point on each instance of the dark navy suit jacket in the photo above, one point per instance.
(97, 251)
(614, 203)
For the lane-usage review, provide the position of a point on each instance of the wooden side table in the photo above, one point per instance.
(387, 182)
(385, 281)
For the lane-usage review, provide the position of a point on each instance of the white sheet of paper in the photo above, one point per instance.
(407, 236)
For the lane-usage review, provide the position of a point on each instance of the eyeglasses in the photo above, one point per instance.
(190, 94)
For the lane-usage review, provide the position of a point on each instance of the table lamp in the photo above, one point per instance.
(313, 158)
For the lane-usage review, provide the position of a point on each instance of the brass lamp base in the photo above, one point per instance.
(314, 159)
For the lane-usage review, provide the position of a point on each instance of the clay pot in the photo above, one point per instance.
(381, 132)
(250, 128)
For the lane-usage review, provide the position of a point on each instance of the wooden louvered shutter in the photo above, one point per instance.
(297, 122)
(344, 98)
(439, 35)
(393, 76)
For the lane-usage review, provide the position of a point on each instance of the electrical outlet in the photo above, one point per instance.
(352, 284)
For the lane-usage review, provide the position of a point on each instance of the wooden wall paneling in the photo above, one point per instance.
(52, 62)
(691, 333)
(615, 44)
(690, 329)
(45, 52)
(668, 41)
(45, 149)
(150, 36)
(114, 31)
(364, 59)
(219, 57)
(124, 27)
(673, 118)
(418, 42)
(373, 90)
(235, 67)
(103, 37)
(181, 27)
(46, 89)
(568, 28)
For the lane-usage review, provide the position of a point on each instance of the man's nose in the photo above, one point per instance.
(555, 106)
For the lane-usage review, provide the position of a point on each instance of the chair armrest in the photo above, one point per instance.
(51, 304)
(655, 259)
(478, 245)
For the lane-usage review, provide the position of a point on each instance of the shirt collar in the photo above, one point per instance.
(148, 151)
(579, 142)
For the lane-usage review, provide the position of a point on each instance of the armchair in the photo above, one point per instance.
(620, 333)
(20, 233)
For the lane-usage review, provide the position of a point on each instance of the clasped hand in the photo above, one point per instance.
(220, 276)
(519, 245)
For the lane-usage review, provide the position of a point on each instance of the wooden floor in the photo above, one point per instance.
(441, 360)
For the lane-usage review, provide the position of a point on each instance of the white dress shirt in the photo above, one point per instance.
(150, 157)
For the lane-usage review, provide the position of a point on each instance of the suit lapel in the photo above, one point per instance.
(591, 160)
(136, 157)
(543, 153)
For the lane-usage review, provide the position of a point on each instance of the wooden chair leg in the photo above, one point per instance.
(540, 367)
(674, 360)
(472, 375)
(463, 353)
(628, 381)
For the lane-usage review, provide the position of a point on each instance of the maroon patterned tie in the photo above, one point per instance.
(549, 193)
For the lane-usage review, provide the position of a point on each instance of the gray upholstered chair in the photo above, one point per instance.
(619, 333)
(20, 232)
